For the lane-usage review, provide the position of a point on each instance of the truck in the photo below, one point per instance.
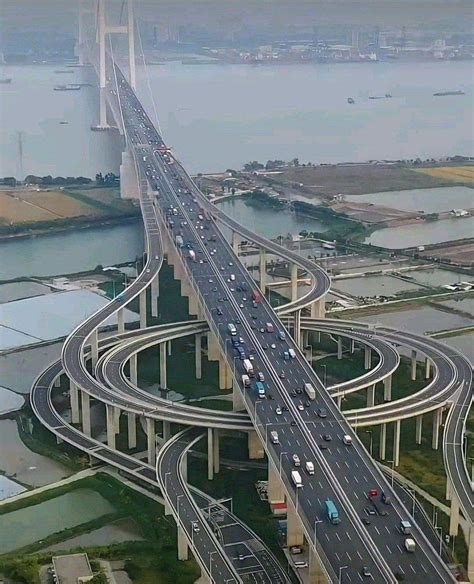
(274, 437)
(332, 512)
(256, 296)
(179, 241)
(192, 255)
(405, 527)
(296, 478)
(309, 391)
(309, 467)
(231, 328)
(410, 545)
(260, 389)
(269, 327)
(248, 366)
(245, 380)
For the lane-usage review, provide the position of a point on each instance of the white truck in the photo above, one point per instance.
(274, 437)
(245, 380)
(309, 391)
(296, 478)
(410, 545)
(309, 467)
(248, 366)
(192, 255)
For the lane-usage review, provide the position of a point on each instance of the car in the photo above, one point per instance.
(300, 407)
(299, 391)
(370, 511)
(231, 264)
(273, 346)
(201, 262)
(260, 375)
(237, 321)
(270, 396)
(322, 446)
(292, 423)
(282, 375)
(219, 311)
(262, 330)
(307, 404)
(254, 317)
(241, 557)
(264, 347)
(244, 299)
(327, 437)
(284, 408)
(148, 270)
(366, 572)
(210, 280)
(195, 526)
(322, 413)
(278, 410)
(366, 521)
(220, 300)
(214, 289)
(222, 268)
(241, 305)
(293, 393)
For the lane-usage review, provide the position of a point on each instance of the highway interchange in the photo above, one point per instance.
(343, 473)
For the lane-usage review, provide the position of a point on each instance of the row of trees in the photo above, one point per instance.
(110, 179)
(271, 164)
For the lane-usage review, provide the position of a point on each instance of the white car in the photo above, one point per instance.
(278, 410)
(301, 407)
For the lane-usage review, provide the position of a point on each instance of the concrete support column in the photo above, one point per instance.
(235, 242)
(132, 430)
(198, 355)
(275, 491)
(213, 351)
(183, 550)
(94, 340)
(110, 421)
(352, 346)
(215, 451)
(470, 554)
(57, 381)
(255, 447)
(413, 365)
(371, 396)
(437, 417)
(120, 321)
(304, 338)
(339, 402)
(318, 309)
(448, 491)
(117, 413)
(427, 368)
(142, 305)
(396, 443)
(163, 377)
(155, 291)
(237, 397)
(263, 269)
(86, 413)
(316, 573)
(150, 435)
(210, 455)
(367, 357)
(297, 327)
(74, 399)
(134, 369)
(193, 305)
(418, 428)
(170, 346)
(225, 374)
(294, 282)
(387, 388)
(339, 348)
(295, 534)
(166, 430)
(383, 441)
(454, 516)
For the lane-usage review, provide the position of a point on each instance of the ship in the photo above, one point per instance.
(6, 80)
(443, 93)
(350, 100)
(69, 87)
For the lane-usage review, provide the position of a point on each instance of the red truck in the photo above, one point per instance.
(256, 295)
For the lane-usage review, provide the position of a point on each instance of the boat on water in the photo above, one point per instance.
(6, 80)
(350, 100)
(443, 93)
(64, 71)
(68, 87)
(64, 123)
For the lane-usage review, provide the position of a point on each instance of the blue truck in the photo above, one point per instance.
(333, 514)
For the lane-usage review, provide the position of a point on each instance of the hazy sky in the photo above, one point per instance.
(47, 14)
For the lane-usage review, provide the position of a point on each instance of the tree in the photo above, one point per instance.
(295, 162)
(99, 179)
(254, 165)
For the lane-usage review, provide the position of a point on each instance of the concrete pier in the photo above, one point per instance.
(275, 491)
(454, 516)
(183, 549)
(86, 413)
(339, 348)
(387, 388)
(134, 369)
(255, 447)
(150, 435)
(396, 443)
(367, 357)
(371, 396)
(383, 441)
(437, 418)
(120, 321)
(142, 304)
(263, 269)
(94, 341)
(419, 429)
(413, 365)
(318, 309)
(198, 355)
(294, 282)
(163, 377)
(295, 534)
(154, 293)
(74, 399)
(132, 430)
(110, 421)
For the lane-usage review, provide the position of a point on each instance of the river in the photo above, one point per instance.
(221, 116)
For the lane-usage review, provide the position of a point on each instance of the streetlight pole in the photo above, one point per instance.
(393, 468)
(341, 568)
(315, 531)
(325, 378)
(440, 538)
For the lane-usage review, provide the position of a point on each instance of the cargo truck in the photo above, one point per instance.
(332, 512)
(179, 241)
(192, 255)
(256, 296)
(296, 478)
(260, 389)
(248, 366)
(309, 391)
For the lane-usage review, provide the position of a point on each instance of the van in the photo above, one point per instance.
(292, 353)
(274, 437)
(269, 327)
(286, 356)
(309, 467)
(281, 335)
(410, 545)
(245, 380)
(231, 328)
(347, 439)
(296, 460)
(232, 277)
(260, 389)
(405, 527)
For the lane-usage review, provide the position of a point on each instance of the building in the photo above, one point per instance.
(72, 569)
